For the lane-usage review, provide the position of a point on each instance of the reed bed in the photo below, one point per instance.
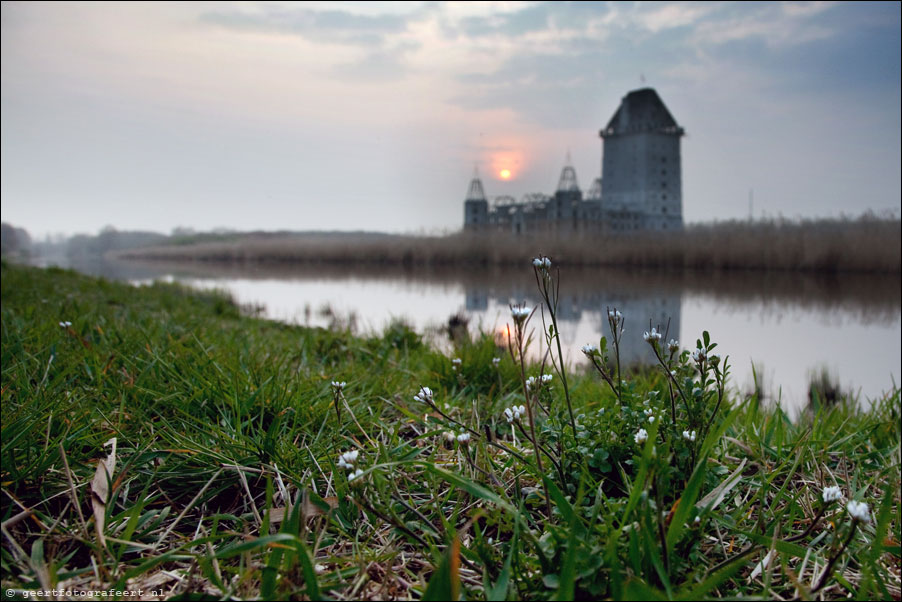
(830, 246)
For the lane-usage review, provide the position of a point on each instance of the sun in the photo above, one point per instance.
(504, 174)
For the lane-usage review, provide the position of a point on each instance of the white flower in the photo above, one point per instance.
(347, 459)
(859, 511)
(463, 438)
(319, 569)
(651, 419)
(641, 437)
(65, 324)
(590, 350)
(697, 520)
(496, 361)
(648, 411)
(700, 354)
(519, 313)
(673, 345)
(456, 361)
(450, 437)
(543, 263)
(652, 336)
(338, 385)
(546, 378)
(615, 316)
(353, 476)
(530, 383)
(689, 436)
(514, 413)
(424, 396)
(831, 494)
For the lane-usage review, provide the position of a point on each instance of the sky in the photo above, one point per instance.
(374, 115)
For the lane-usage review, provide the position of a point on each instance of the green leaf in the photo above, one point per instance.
(444, 584)
(474, 489)
(254, 544)
(498, 592)
(639, 590)
(780, 545)
(699, 591)
(686, 503)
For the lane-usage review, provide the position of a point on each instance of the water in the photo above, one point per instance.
(777, 330)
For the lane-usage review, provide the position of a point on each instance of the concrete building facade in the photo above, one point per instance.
(640, 187)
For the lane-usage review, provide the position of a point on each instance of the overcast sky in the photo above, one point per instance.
(370, 115)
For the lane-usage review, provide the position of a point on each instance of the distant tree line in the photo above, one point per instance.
(14, 242)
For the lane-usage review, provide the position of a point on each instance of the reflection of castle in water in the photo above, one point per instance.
(638, 308)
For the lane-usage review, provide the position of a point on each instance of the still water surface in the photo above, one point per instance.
(787, 327)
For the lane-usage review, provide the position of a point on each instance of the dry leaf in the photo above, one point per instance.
(100, 489)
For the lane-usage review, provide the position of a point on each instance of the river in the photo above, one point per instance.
(779, 330)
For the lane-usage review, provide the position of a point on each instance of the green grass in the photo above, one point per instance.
(226, 481)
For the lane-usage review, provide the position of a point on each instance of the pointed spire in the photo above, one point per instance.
(568, 177)
(475, 192)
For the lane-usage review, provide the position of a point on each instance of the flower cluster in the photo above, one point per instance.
(673, 346)
(514, 413)
(542, 263)
(700, 354)
(463, 438)
(689, 435)
(831, 494)
(65, 324)
(338, 385)
(859, 511)
(455, 363)
(424, 396)
(590, 350)
(348, 459)
(652, 337)
(520, 313)
(532, 381)
(641, 437)
(496, 361)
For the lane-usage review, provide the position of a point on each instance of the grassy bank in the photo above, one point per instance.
(862, 245)
(154, 438)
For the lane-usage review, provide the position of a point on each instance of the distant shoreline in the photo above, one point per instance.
(825, 246)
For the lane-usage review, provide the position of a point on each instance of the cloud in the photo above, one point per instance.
(324, 26)
(377, 66)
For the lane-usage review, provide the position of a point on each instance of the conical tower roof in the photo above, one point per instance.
(475, 192)
(567, 182)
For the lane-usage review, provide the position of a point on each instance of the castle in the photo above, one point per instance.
(640, 187)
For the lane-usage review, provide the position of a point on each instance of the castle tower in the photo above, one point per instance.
(476, 207)
(641, 168)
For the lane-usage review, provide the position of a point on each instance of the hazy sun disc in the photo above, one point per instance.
(505, 174)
